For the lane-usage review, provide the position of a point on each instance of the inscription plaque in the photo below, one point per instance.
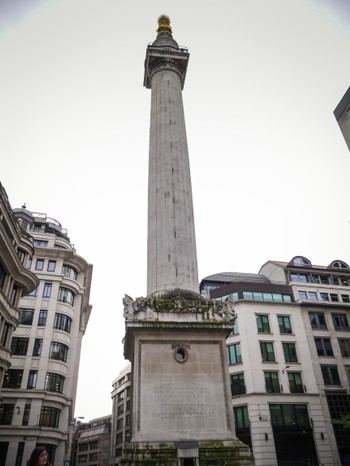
(181, 398)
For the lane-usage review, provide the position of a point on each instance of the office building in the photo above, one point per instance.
(289, 359)
(121, 417)
(39, 388)
(92, 442)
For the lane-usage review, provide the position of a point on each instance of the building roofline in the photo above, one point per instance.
(341, 107)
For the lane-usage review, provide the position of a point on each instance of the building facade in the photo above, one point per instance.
(289, 360)
(342, 115)
(121, 414)
(16, 248)
(40, 387)
(92, 442)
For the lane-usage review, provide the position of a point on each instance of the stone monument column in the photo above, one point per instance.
(175, 338)
(172, 256)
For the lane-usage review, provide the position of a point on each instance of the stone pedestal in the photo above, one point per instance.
(228, 453)
(182, 410)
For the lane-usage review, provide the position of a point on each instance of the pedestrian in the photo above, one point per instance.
(39, 457)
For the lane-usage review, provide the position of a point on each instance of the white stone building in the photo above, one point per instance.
(289, 360)
(16, 247)
(40, 387)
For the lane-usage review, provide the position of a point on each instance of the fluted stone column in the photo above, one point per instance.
(172, 256)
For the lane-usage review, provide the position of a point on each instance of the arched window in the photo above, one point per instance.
(300, 260)
(338, 265)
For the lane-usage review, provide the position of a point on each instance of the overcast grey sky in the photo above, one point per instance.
(270, 168)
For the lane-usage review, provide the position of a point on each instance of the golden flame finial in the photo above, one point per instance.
(164, 24)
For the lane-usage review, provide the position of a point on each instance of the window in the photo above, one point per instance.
(69, 272)
(32, 379)
(21, 254)
(267, 352)
(344, 281)
(49, 417)
(340, 322)
(42, 318)
(317, 320)
(271, 382)
(324, 279)
(39, 265)
(29, 263)
(344, 344)
(330, 375)
(312, 296)
(62, 322)
(3, 275)
(26, 414)
(66, 296)
(268, 297)
(324, 347)
(14, 294)
(13, 378)
(58, 351)
(5, 334)
(47, 290)
(40, 243)
(339, 265)
(284, 324)
(289, 415)
(241, 418)
(263, 324)
(6, 413)
(26, 316)
(38, 346)
(324, 296)
(295, 382)
(120, 409)
(237, 384)
(300, 260)
(334, 297)
(298, 277)
(51, 266)
(347, 369)
(19, 346)
(234, 353)
(345, 298)
(290, 354)
(231, 296)
(54, 382)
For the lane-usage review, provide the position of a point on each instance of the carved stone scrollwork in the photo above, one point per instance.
(216, 310)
